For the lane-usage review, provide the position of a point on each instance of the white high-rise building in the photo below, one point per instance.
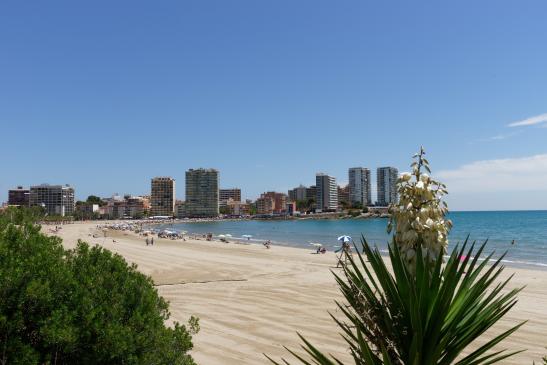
(386, 178)
(327, 192)
(359, 186)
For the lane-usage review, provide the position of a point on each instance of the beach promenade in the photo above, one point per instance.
(251, 300)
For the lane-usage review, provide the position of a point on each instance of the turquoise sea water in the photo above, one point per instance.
(527, 228)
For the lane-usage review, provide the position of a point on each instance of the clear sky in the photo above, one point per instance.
(104, 95)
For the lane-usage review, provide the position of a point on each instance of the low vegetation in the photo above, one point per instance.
(81, 306)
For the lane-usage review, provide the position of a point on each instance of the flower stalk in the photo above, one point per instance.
(418, 219)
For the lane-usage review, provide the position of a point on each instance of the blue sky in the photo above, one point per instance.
(104, 95)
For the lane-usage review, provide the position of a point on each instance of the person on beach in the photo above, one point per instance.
(147, 242)
(152, 241)
(345, 251)
(267, 244)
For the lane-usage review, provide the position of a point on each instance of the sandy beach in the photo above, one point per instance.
(251, 300)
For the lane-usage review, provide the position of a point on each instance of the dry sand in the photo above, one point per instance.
(251, 300)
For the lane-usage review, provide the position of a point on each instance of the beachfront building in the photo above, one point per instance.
(291, 208)
(162, 196)
(359, 186)
(202, 193)
(279, 201)
(265, 204)
(386, 179)
(55, 199)
(343, 196)
(238, 208)
(117, 210)
(298, 193)
(311, 195)
(327, 193)
(227, 194)
(136, 206)
(19, 197)
(179, 209)
(85, 210)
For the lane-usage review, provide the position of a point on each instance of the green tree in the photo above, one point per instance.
(252, 209)
(301, 205)
(92, 199)
(357, 205)
(84, 306)
(21, 215)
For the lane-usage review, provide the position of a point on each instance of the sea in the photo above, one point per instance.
(522, 234)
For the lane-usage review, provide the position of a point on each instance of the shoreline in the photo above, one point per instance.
(515, 262)
(252, 300)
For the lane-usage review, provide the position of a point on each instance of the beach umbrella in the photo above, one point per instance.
(227, 235)
(246, 236)
(344, 238)
(316, 244)
(221, 236)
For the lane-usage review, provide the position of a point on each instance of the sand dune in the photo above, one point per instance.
(251, 300)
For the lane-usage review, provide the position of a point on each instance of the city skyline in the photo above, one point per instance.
(232, 191)
(108, 107)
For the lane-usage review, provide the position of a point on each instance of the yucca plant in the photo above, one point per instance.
(429, 318)
(423, 311)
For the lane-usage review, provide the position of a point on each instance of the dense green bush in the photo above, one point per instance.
(84, 306)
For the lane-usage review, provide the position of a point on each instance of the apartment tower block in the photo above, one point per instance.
(359, 186)
(202, 193)
(162, 197)
(386, 178)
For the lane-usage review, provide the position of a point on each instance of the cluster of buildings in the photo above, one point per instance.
(327, 196)
(205, 199)
(55, 199)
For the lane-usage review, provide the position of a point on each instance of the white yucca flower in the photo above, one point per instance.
(418, 219)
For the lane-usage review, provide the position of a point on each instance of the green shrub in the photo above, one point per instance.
(85, 306)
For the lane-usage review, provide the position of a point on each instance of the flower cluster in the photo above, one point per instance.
(418, 219)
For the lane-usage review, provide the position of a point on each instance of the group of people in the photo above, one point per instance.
(150, 241)
(267, 244)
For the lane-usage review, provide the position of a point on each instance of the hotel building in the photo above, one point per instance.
(56, 199)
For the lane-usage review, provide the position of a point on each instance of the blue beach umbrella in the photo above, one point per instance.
(344, 239)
